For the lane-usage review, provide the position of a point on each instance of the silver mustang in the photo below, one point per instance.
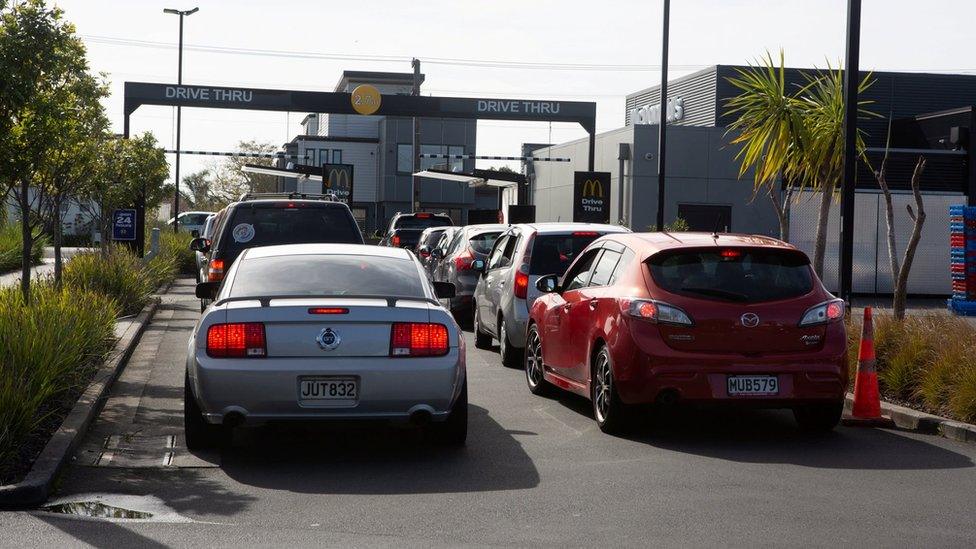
(325, 332)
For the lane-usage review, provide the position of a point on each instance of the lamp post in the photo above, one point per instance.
(663, 127)
(179, 81)
(850, 149)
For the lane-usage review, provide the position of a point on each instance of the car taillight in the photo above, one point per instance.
(408, 339)
(654, 311)
(586, 233)
(464, 261)
(215, 271)
(521, 287)
(328, 310)
(395, 240)
(828, 311)
(237, 340)
(422, 215)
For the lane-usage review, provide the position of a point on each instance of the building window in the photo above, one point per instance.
(427, 163)
(404, 158)
(456, 165)
(337, 156)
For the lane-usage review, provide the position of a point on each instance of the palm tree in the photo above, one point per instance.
(796, 135)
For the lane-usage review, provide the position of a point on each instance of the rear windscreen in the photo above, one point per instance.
(733, 274)
(194, 219)
(552, 254)
(332, 275)
(482, 243)
(412, 222)
(253, 227)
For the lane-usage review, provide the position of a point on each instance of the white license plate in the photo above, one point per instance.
(753, 385)
(344, 388)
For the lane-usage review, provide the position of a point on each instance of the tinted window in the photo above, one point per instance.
(622, 265)
(495, 260)
(327, 275)
(746, 275)
(194, 219)
(431, 238)
(552, 254)
(482, 243)
(413, 222)
(604, 268)
(577, 277)
(251, 227)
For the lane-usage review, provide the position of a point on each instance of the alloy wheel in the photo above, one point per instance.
(603, 388)
(533, 359)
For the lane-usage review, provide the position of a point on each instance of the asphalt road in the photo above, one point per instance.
(534, 472)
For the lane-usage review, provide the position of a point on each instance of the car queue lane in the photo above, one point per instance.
(535, 471)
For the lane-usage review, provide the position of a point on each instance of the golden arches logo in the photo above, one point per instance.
(339, 179)
(593, 188)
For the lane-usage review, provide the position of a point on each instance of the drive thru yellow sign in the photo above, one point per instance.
(366, 99)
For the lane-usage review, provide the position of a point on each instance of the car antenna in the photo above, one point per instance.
(718, 219)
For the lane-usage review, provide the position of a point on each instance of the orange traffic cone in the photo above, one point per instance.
(866, 410)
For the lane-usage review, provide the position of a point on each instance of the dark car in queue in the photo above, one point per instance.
(506, 289)
(429, 239)
(272, 219)
(664, 318)
(405, 228)
(456, 264)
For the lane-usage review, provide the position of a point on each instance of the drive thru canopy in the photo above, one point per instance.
(217, 97)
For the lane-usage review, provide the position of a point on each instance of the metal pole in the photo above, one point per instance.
(414, 184)
(663, 125)
(850, 148)
(179, 113)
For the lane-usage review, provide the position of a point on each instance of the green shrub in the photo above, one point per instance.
(10, 244)
(117, 273)
(177, 247)
(962, 399)
(46, 350)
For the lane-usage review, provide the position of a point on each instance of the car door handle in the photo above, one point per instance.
(593, 304)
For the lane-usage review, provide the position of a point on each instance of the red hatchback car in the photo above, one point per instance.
(690, 317)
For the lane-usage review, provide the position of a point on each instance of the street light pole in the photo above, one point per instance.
(414, 183)
(851, 79)
(179, 116)
(663, 122)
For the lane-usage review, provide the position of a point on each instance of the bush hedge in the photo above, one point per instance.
(48, 350)
(927, 361)
(116, 273)
(10, 244)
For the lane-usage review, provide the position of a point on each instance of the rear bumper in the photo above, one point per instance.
(262, 390)
(812, 377)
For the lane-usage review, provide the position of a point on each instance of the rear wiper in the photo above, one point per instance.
(716, 293)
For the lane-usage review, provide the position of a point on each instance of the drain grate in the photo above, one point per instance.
(96, 509)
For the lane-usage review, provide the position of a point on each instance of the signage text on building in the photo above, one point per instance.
(518, 106)
(651, 114)
(209, 94)
(591, 197)
(337, 180)
(124, 225)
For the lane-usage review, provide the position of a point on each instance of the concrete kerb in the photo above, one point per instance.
(922, 422)
(33, 490)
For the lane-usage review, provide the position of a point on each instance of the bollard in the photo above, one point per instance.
(153, 245)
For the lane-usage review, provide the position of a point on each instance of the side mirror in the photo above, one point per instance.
(437, 253)
(207, 290)
(201, 245)
(423, 251)
(547, 284)
(444, 290)
(478, 265)
(195, 233)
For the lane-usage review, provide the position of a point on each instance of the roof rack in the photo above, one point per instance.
(331, 197)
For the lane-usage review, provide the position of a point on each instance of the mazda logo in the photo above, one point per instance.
(749, 320)
(328, 339)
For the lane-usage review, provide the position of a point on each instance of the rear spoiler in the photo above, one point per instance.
(265, 300)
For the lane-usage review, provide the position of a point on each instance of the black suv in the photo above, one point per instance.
(405, 228)
(271, 219)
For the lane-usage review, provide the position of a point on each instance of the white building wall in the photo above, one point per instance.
(365, 160)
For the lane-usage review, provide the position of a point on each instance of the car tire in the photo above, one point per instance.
(534, 377)
(481, 339)
(819, 418)
(199, 434)
(611, 414)
(511, 355)
(454, 430)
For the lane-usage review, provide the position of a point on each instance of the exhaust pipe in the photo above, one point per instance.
(667, 398)
(420, 418)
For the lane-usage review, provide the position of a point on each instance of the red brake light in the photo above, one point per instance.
(586, 233)
(238, 340)
(835, 310)
(422, 215)
(521, 287)
(395, 240)
(328, 311)
(409, 339)
(464, 261)
(731, 254)
(215, 271)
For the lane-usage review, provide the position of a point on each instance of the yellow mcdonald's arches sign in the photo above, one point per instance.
(338, 179)
(593, 188)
